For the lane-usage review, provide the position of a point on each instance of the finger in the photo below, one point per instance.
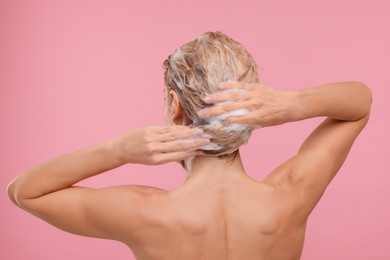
(236, 120)
(239, 85)
(235, 95)
(219, 110)
(249, 119)
(180, 133)
(171, 128)
(182, 145)
(175, 156)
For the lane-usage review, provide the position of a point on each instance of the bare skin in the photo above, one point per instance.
(219, 212)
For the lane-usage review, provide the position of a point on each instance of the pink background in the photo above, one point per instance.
(74, 73)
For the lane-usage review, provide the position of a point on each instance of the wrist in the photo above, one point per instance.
(294, 110)
(115, 147)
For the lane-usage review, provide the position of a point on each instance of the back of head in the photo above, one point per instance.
(196, 69)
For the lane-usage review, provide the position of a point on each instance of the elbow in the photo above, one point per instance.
(11, 192)
(365, 97)
(366, 94)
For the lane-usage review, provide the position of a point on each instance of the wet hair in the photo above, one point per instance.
(196, 69)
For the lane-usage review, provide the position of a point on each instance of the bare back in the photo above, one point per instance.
(237, 219)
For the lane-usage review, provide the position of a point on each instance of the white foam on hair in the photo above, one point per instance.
(207, 147)
(211, 147)
(216, 122)
(179, 85)
(178, 54)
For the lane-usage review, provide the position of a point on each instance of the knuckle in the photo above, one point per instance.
(147, 138)
(225, 109)
(256, 118)
(256, 102)
(174, 135)
(150, 147)
(180, 147)
(154, 159)
(229, 107)
(234, 96)
(182, 155)
(170, 136)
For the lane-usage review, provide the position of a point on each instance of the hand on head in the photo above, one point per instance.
(264, 106)
(159, 145)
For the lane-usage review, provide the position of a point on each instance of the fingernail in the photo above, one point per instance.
(208, 99)
(206, 141)
(198, 132)
(202, 113)
(223, 86)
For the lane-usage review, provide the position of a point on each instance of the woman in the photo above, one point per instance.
(219, 212)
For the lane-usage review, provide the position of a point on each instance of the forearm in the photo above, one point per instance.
(147, 145)
(64, 171)
(347, 101)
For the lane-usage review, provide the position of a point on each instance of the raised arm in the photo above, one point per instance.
(47, 191)
(346, 106)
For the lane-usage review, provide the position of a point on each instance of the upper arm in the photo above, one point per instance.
(318, 160)
(101, 213)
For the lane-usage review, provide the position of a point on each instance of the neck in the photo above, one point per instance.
(213, 169)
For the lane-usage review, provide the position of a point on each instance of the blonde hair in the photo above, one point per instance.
(196, 69)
